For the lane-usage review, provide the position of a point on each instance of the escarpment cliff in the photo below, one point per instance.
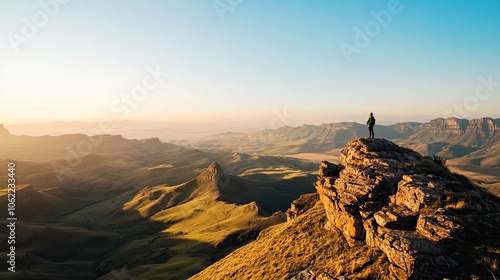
(483, 126)
(410, 207)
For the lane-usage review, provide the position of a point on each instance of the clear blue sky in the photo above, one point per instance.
(269, 62)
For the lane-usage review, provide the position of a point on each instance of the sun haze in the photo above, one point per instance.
(249, 61)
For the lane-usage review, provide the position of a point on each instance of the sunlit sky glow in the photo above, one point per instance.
(260, 61)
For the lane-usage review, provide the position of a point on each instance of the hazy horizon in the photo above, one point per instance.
(162, 130)
(249, 62)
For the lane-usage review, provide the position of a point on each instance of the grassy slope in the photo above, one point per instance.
(283, 250)
(92, 196)
(57, 252)
(215, 217)
(192, 224)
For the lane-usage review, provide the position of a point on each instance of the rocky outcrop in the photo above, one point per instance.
(310, 275)
(402, 203)
(300, 205)
(214, 174)
(396, 217)
(438, 227)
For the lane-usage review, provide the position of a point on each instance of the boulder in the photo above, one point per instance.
(414, 257)
(416, 192)
(304, 275)
(396, 217)
(438, 227)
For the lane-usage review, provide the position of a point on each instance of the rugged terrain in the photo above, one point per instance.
(385, 212)
(109, 207)
(97, 205)
(470, 146)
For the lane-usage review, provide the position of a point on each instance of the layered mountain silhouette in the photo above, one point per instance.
(385, 212)
(323, 138)
(470, 146)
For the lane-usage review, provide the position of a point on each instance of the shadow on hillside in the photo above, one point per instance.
(453, 151)
(93, 244)
(62, 252)
(174, 256)
(144, 244)
(270, 195)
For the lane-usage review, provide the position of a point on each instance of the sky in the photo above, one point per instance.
(249, 62)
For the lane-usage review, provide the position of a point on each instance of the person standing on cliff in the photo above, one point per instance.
(371, 123)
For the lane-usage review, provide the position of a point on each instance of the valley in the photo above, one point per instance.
(139, 205)
(108, 207)
(470, 146)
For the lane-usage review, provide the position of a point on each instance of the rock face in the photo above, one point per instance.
(483, 126)
(400, 202)
(214, 173)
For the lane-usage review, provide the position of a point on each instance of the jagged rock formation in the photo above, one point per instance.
(406, 205)
(215, 174)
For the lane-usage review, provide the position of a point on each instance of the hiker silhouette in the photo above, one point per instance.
(371, 123)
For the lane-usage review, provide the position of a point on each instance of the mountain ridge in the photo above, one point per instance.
(468, 145)
(213, 212)
(328, 136)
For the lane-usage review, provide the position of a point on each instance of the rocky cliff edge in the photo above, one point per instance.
(423, 217)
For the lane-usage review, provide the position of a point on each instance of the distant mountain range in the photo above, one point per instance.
(471, 147)
(476, 134)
